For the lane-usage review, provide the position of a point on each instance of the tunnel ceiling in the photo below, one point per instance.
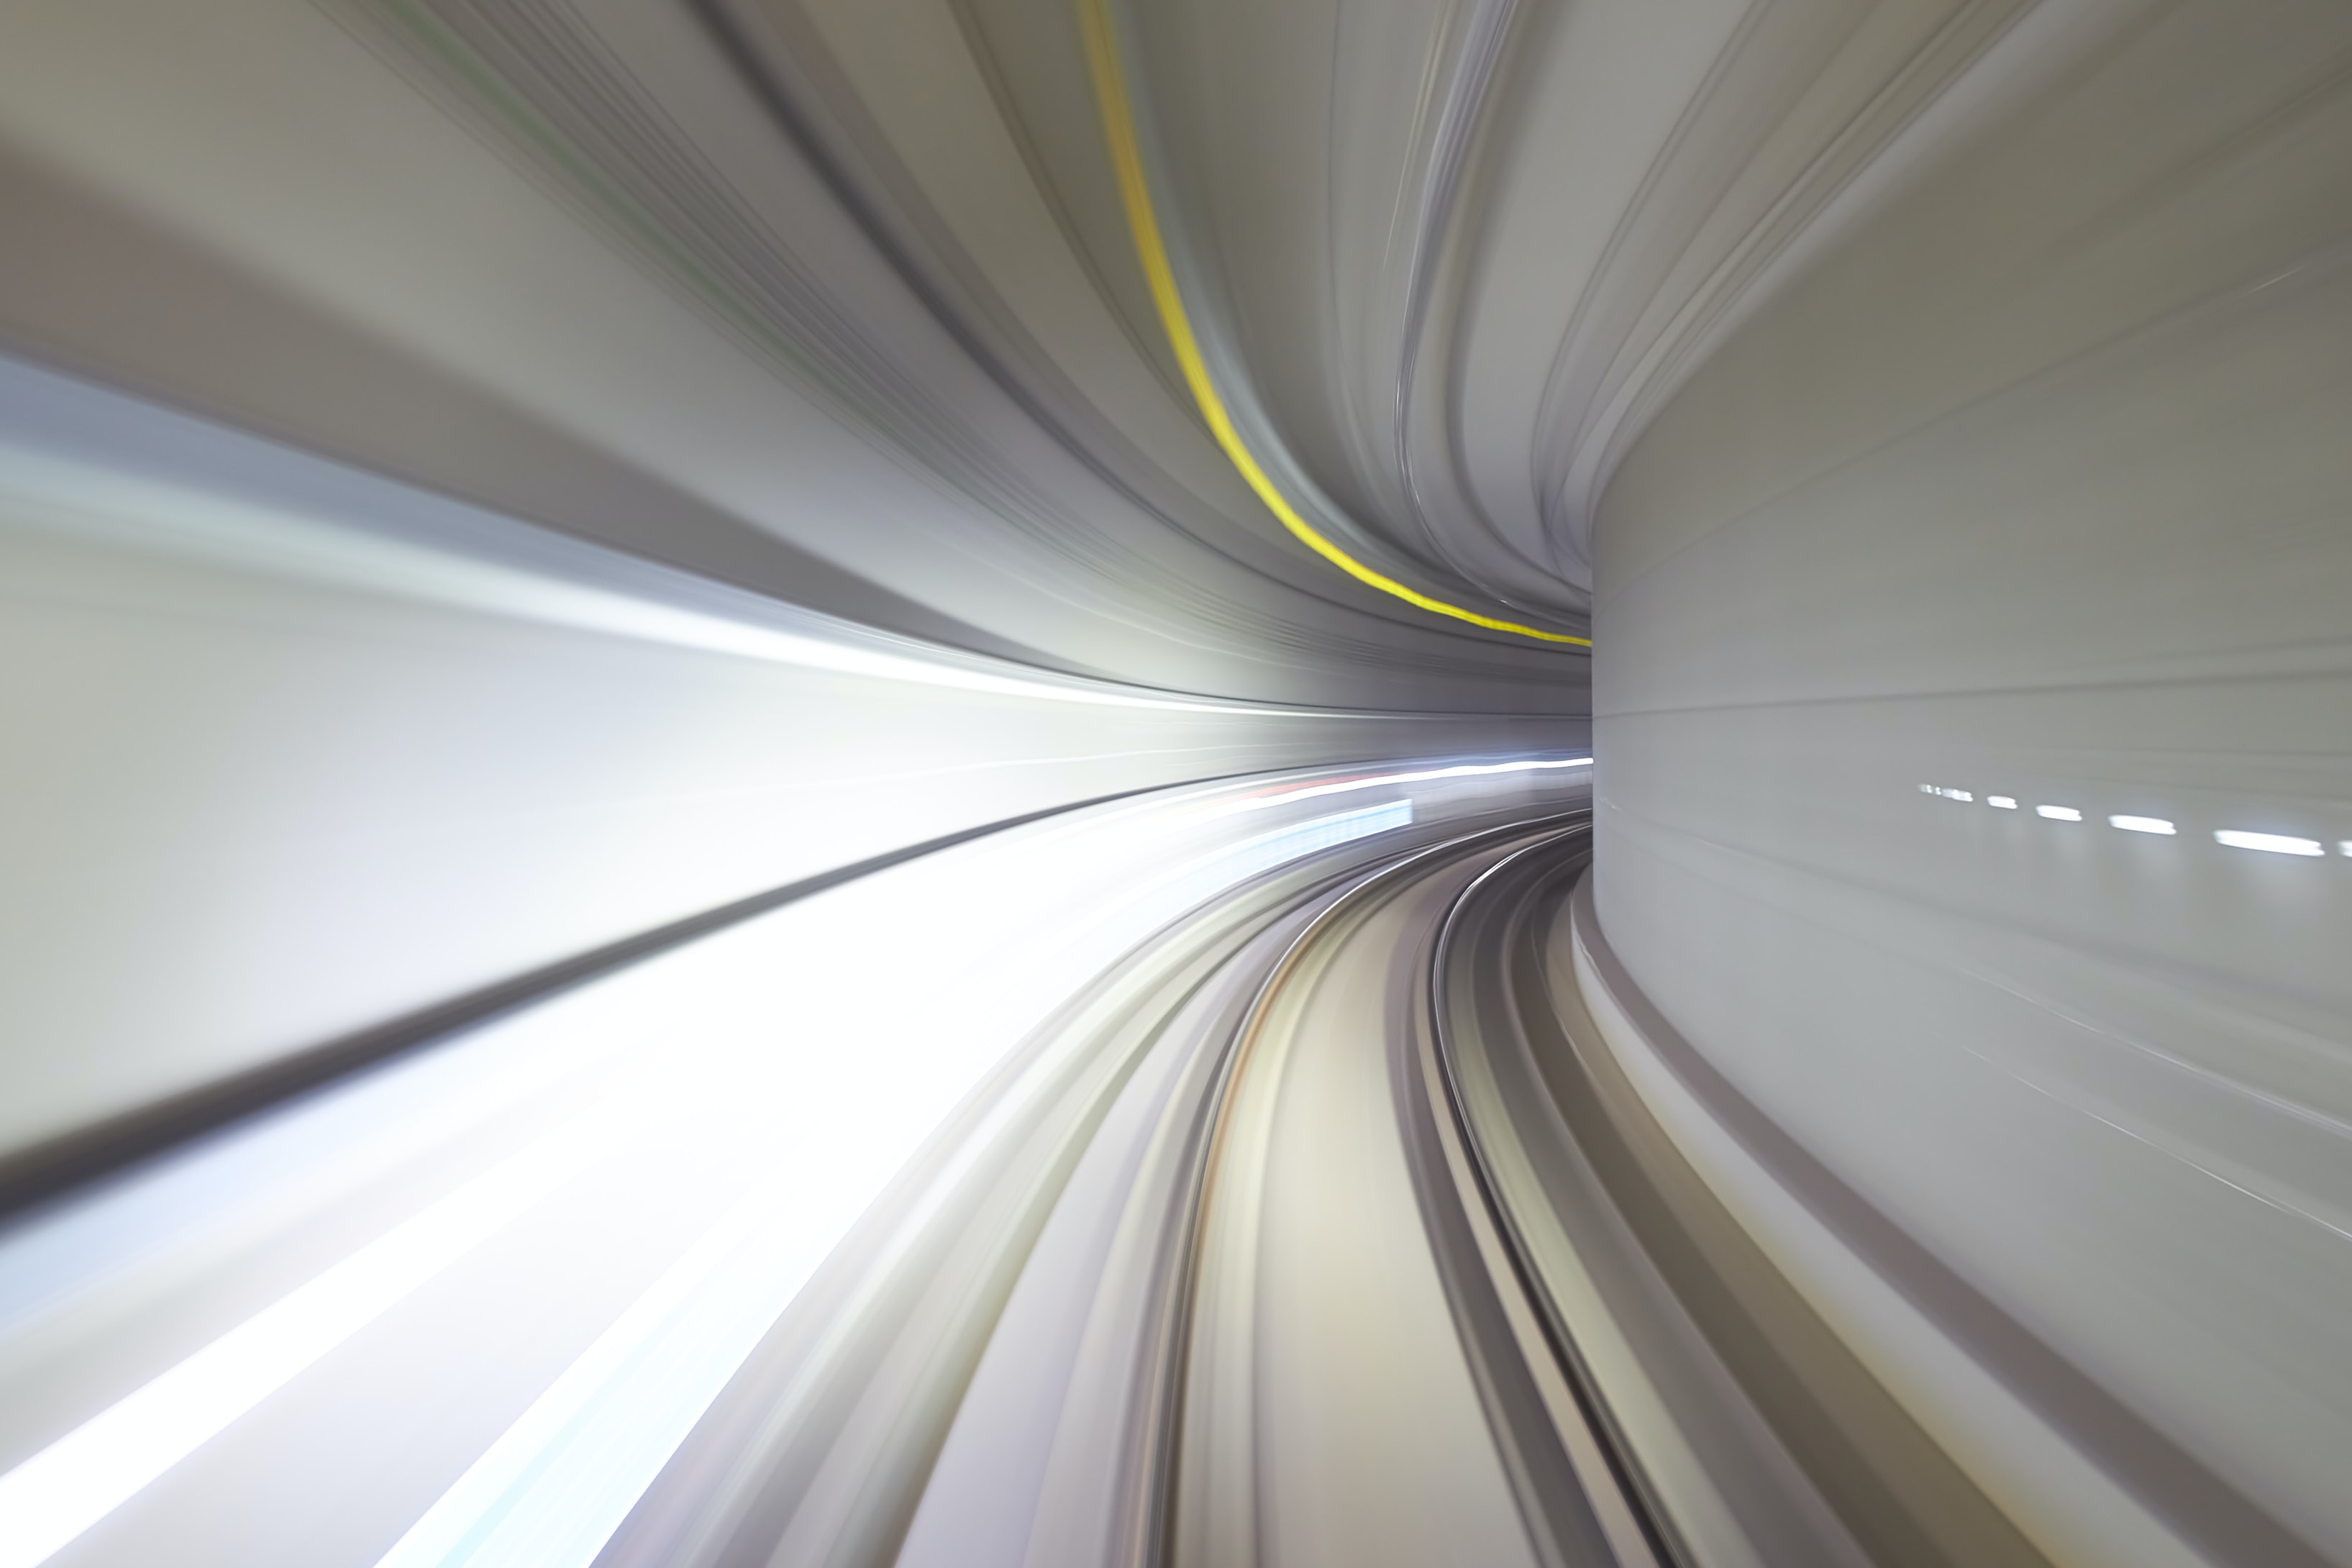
(1441, 263)
(1443, 260)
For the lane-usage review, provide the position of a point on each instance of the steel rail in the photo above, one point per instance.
(1200, 1186)
(1639, 1531)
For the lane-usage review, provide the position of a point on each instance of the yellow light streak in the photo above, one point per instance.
(1143, 223)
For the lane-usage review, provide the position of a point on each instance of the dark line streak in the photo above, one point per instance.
(55, 1166)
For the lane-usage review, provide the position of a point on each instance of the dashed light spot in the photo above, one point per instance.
(2158, 826)
(2269, 843)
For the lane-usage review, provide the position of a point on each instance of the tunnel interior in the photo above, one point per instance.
(1188, 783)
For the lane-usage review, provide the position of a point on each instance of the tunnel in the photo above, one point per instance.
(1175, 783)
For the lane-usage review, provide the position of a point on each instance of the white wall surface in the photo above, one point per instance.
(2036, 486)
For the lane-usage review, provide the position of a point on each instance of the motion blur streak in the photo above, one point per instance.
(59, 1492)
(1111, 90)
(1218, 783)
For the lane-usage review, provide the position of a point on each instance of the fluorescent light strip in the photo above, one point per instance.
(2142, 825)
(2058, 813)
(2269, 843)
(2001, 802)
(93, 1470)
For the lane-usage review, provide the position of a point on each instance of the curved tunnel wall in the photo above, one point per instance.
(577, 450)
(2030, 487)
(289, 751)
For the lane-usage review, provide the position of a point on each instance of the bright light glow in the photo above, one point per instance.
(551, 1492)
(2058, 813)
(2005, 802)
(1461, 769)
(2142, 825)
(85, 1475)
(2270, 843)
(1080, 892)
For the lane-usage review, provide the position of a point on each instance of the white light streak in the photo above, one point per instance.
(2058, 813)
(1462, 769)
(2269, 843)
(552, 1490)
(102, 1464)
(2142, 825)
(249, 532)
(2001, 802)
